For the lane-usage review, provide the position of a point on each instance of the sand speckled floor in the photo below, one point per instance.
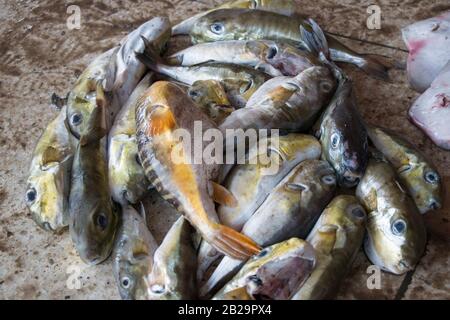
(39, 55)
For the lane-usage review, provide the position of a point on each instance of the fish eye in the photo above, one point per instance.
(434, 205)
(326, 86)
(76, 119)
(399, 227)
(263, 253)
(31, 195)
(272, 53)
(158, 288)
(431, 177)
(329, 179)
(335, 140)
(256, 280)
(102, 221)
(125, 282)
(194, 94)
(138, 159)
(246, 86)
(218, 28)
(352, 180)
(358, 212)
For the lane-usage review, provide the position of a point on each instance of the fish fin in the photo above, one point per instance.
(161, 120)
(50, 155)
(378, 66)
(96, 127)
(120, 80)
(142, 212)
(234, 244)
(325, 239)
(59, 102)
(223, 196)
(240, 293)
(150, 56)
(315, 40)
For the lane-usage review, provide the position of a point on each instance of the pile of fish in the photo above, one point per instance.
(340, 184)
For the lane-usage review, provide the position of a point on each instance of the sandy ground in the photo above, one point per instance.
(39, 55)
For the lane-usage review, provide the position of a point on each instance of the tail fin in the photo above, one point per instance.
(378, 66)
(96, 127)
(315, 40)
(234, 244)
(150, 56)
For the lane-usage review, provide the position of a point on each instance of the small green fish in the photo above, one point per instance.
(417, 174)
(133, 255)
(275, 59)
(344, 137)
(48, 183)
(93, 216)
(275, 273)
(127, 179)
(396, 234)
(244, 24)
(175, 261)
(291, 104)
(239, 82)
(286, 7)
(93, 87)
(337, 238)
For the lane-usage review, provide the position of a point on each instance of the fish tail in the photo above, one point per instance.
(315, 40)
(150, 56)
(233, 243)
(377, 65)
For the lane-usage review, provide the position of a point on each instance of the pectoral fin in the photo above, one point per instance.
(325, 239)
(161, 120)
(222, 196)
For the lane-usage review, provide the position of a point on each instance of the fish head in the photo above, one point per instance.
(46, 197)
(278, 271)
(314, 177)
(288, 59)
(345, 146)
(346, 212)
(84, 98)
(134, 262)
(212, 98)
(214, 26)
(425, 182)
(126, 175)
(94, 232)
(395, 241)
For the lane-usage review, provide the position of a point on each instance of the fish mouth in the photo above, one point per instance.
(403, 266)
(185, 27)
(275, 282)
(434, 205)
(350, 180)
(224, 107)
